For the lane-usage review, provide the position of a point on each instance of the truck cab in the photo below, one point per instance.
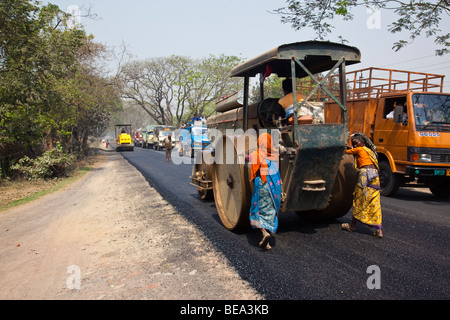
(414, 144)
(138, 138)
(407, 116)
(194, 138)
(159, 134)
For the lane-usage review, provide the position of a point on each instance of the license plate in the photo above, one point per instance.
(440, 172)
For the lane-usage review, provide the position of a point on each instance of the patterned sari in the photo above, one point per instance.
(266, 200)
(266, 197)
(366, 196)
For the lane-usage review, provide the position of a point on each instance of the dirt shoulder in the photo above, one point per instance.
(110, 235)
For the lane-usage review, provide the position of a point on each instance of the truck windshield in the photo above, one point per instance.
(432, 112)
(165, 133)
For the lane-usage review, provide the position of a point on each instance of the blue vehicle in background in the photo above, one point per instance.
(194, 138)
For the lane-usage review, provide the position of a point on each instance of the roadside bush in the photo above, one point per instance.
(52, 164)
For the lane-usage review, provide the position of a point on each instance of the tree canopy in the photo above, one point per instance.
(49, 90)
(417, 17)
(173, 89)
(55, 91)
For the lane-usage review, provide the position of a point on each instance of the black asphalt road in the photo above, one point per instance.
(319, 261)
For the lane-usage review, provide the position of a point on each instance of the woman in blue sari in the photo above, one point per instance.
(266, 197)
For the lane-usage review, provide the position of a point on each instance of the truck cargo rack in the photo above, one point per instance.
(372, 82)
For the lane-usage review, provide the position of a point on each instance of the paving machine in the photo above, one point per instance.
(123, 137)
(317, 177)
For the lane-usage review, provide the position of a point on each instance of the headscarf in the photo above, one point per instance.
(367, 142)
(258, 157)
(370, 148)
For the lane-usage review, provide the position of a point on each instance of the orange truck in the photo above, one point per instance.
(407, 116)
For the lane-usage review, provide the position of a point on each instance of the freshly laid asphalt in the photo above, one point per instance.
(319, 261)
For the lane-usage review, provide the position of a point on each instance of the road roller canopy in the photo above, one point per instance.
(122, 128)
(317, 56)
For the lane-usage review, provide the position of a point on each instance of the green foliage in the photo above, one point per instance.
(52, 164)
(50, 89)
(38, 54)
(417, 17)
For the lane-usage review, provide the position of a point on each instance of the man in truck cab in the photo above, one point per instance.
(287, 102)
(390, 115)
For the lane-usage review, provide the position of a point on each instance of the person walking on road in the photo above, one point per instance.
(266, 197)
(168, 147)
(366, 196)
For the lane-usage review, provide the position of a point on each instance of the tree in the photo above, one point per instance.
(417, 17)
(149, 84)
(173, 89)
(89, 96)
(272, 88)
(206, 82)
(49, 89)
(34, 54)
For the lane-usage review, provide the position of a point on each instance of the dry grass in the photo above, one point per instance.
(13, 193)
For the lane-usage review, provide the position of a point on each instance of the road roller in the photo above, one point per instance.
(318, 179)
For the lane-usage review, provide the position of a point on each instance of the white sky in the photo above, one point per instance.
(245, 28)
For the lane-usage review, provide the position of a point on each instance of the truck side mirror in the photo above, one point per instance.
(398, 115)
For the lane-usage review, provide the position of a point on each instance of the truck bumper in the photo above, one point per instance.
(429, 172)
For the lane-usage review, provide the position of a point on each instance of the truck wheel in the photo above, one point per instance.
(230, 189)
(389, 181)
(341, 199)
(441, 189)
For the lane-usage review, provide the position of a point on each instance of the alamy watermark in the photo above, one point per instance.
(374, 280)
(373, 22)
(73, 282)
(230, 147)
(74, 19)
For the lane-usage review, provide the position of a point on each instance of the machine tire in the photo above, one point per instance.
(341, 200)
(230, 189)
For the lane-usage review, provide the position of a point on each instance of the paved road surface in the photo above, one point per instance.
(319, 260)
